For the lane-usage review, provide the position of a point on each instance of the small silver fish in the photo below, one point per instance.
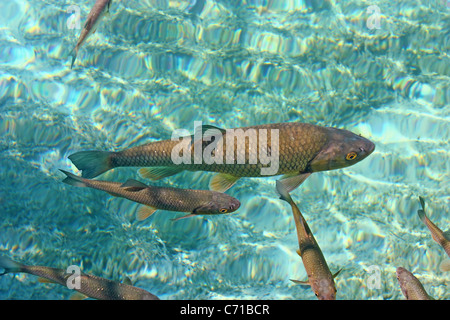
(411, 287)
(90, 285)
(98, 11)
(196, 202)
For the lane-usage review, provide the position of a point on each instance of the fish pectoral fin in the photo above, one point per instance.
(157, 173)
(222, 182)
(144, 212)
(77, 296)
(303, 283)
(133, 185)
(292, 181)
(45, 280)
(284, 194)
(183, 217)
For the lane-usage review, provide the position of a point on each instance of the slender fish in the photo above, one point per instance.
(295, 150)
(89, 285)
(98, 11)
(441, 237)
(196, 202)
(319, 275)
(411, 287)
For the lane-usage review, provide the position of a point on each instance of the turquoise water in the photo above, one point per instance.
(154, 66)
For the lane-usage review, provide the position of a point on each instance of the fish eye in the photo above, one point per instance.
(351, 156)
(223, 210)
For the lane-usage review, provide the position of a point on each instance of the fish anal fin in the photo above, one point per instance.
(299, 252)
(292, 181)
(184, 217)
(45, 280)
(144, 212)
(222, 182)
(77, 296)
(157, 173)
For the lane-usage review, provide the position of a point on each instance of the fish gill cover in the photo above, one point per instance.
(377, 69)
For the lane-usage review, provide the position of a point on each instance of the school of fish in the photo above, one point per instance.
(295, 151)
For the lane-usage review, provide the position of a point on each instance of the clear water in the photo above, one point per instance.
(152, 67)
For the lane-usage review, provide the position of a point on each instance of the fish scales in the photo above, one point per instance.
(298, 143)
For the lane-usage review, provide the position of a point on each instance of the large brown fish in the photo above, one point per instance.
(100, 8)
(441, 237)
(196, 202)
(89, 285)
(411, 287)
(292, 149)
(320, 277)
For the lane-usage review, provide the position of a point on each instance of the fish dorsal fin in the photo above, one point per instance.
(201, 135)
(303, 283)
(77, 296)
(335, 275)
(202, 130)
(133, 185)
(127, 281)
(446, 235)
(222, 182)
(157, 173)
(45, 280)
(144, 212)
(292, 181)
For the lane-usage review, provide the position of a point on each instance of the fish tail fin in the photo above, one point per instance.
(73, 54)
(10, 266)
(92, 163)
(73, 180)
(421, 212)
(445, 265)
(283, 192)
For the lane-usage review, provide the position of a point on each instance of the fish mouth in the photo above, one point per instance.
(370, 147)
(235, 205)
